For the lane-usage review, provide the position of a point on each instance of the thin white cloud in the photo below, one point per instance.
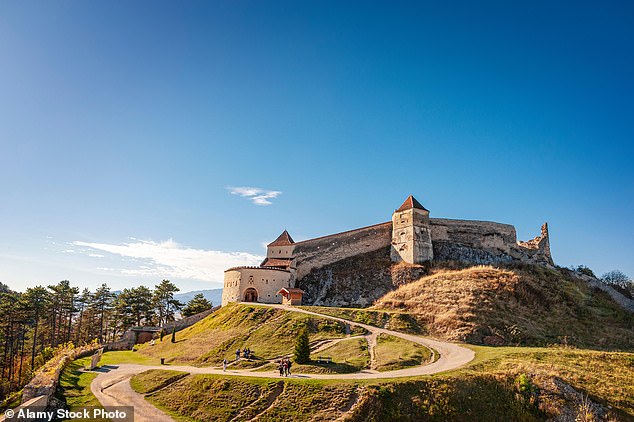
(96, 255)
(168, 259)
(258, 196)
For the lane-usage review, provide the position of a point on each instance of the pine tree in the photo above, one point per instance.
(102, 305)
(38, 299)
(164, 302)
(174, 334)
(302, 346)
(196, 305)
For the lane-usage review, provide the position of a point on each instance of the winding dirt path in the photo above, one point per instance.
(112, 387)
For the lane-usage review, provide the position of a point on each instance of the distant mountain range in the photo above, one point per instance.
(212, 295)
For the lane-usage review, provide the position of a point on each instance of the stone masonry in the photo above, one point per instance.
(412, 236)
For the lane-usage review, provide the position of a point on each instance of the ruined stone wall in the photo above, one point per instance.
(475, 234)
(477, 242)
(45, 381)
(316, 253)
(485, 242)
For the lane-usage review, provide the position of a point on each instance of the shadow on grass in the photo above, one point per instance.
(326, 368)
(103, 368)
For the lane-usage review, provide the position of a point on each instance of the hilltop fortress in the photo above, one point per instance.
(322, 266)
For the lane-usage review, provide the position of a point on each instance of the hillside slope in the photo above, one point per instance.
(268, 332)
(529, 305)
(356, 281)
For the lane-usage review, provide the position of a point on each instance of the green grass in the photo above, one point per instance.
(269, 332)
(396, 353)
(127, 356)
(347, 356)
(392, 320)
(74, 386)
(212, 397)
(12, 401)
(486, 390)
(605, 376)
(154, 379)
(353, 352)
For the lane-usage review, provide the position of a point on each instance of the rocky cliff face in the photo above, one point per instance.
(356, 281)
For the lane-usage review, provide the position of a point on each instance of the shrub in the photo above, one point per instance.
(584, 270)
(302, 346)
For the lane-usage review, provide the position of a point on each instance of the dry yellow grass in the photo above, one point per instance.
(520, 305)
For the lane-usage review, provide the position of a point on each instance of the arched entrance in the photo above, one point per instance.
(250, 295)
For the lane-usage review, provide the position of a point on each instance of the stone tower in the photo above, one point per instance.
(411, 233)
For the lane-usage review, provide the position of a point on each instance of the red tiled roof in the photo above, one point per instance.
(291, 290)
(410, 203)
(284, 239)
(276, 262)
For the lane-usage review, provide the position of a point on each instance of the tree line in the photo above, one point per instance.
(36, 322)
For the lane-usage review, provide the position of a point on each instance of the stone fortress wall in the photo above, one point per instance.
(316, 253)
(412, 236)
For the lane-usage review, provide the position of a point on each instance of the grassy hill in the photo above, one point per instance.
(505, 383)
(528, 305)
(269, 332)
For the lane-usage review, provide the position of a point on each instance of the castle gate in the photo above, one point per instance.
(250, 295)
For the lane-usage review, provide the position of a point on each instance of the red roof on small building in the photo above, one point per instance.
(290, 290)
(410, 203)
(284, 239)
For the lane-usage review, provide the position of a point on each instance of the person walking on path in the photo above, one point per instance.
(280, 367)
(289, 363)
(238, 354)
(224, 365)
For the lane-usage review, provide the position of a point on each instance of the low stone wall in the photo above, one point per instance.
(189, 321)
(44, 383)
(129, 338)
(37, 403)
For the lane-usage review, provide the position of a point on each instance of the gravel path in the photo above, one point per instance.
(112, 387)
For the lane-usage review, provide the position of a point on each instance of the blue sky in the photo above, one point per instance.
(123, 126)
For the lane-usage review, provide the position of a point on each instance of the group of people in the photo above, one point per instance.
(246, 353)
(284, 366)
